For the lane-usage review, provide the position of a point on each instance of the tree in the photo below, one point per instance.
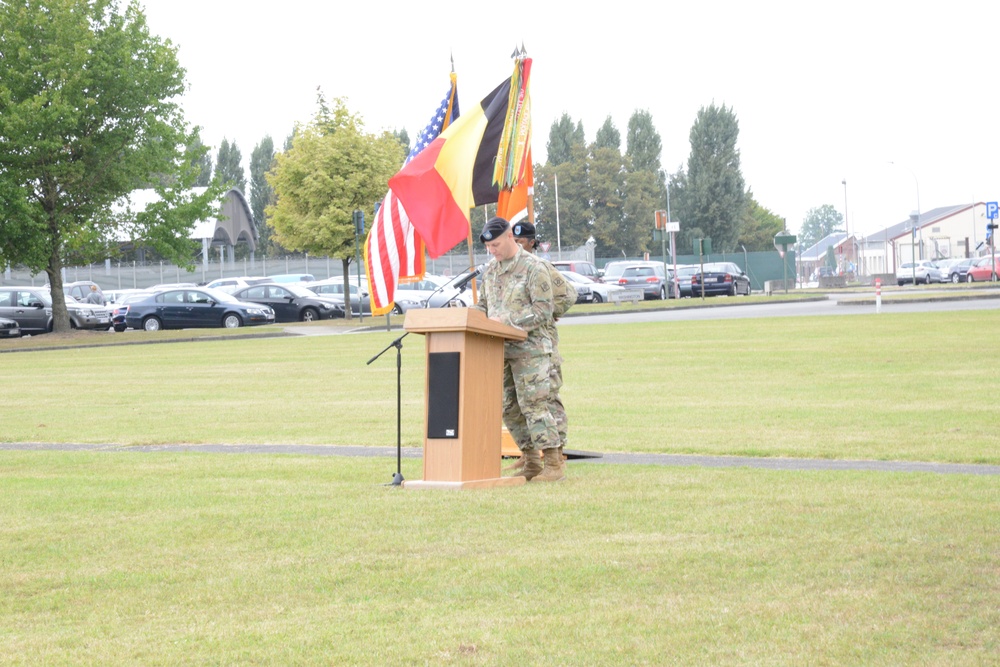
(88, 114)
(568, 223)
(332, 169)
(759, 228)
(819, 223)
(712, 200)
(229, 166)
(203, 163)
(261, 193)
(608, 136)
(563, 138)
(643, 145)
(606, 194)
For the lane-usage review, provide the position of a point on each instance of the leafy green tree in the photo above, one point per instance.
(403, 137)
(606, 178)
(332, 169)
(88, 114)
(712, 200)
(608, 136)
(261, 193)
(643, 145)
(819, 223)
(564, 138)
(229, 166)
(759, 228)
(571, 224)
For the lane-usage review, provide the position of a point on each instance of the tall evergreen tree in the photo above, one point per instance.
(261, 193)
(202, 162)
(229, 166)
(643, 145)
(606, 178)
(563, 138)
(570, 222)
(712, 201)
(608, 136)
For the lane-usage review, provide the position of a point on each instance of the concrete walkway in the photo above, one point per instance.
(678, 460)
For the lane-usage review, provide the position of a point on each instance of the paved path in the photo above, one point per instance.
(635, 459)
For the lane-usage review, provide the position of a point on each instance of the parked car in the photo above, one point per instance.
(959, 271)
(87, 315)
(983, 269)
(601, 291)
(80, 290)
(115, 296)
(292, 278)
(720, 278)
(584, 292)
(684, 274)
(232, 284)
(292, 303)
(120, 309)
(649, 276)
(921, 271)
(436, 292)
(334, 287)
(30, 307)
(9, 328)
(586, 269)
(194, 307)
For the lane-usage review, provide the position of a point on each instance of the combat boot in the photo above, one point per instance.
(532, 465)
(555, 469)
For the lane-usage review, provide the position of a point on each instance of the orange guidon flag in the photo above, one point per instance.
(454, 174)
(512, 205)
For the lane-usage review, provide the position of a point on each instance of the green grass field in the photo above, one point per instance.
(122, 557)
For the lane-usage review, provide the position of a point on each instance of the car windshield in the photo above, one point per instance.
(614, 269)
(219, 295)
(686, 271)
(299, 291)
(575, 277)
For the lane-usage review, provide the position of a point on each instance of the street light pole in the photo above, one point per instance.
(847, 226)
(914, 235)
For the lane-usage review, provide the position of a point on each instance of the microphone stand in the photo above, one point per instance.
(397, 479)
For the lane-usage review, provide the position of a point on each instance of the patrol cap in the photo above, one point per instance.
(524, 230)
(494, 228)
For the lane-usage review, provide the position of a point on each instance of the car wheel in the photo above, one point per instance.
(310, 315)
(733, 291)
(955, 278)
(899, 283)
(152, 324)
(969, 278)
(232, 321)
(597, 298)
(120, 328)
(397, 310)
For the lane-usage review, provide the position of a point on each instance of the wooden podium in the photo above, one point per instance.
(463, 397)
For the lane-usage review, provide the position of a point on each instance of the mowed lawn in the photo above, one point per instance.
(122, 557)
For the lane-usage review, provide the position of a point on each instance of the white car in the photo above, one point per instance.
(600, 291)
(230, 285)
(436, 292)
(921, 271)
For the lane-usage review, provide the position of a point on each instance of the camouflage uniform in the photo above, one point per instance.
(518, 292)
(564, 296)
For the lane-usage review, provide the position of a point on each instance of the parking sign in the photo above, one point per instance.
(991, 210)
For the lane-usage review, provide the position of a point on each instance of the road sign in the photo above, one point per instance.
(673, 226)
(544, 246)
(992, 210)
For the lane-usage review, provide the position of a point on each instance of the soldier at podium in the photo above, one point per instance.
(517, 291)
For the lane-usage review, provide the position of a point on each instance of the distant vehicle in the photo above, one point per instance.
(194, 307)
(582, 285)
(9, 328)
(120, 309)
(334, 287)
(613, 270)
(30, 307)
(292, 303)
(684, 274)
(87, 315)
(959, 271)
(921, 271)
(292, 278)
(601, 291)
(586, 269)
(649, 277)
(719, 278)
(981, 271)
(80, 289)
(232, 284)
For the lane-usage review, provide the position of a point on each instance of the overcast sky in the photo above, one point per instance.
(823, 92)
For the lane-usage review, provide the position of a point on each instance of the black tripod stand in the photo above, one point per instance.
(397, 479)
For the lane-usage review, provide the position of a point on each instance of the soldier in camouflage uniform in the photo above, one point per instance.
(564, 296)
(517, 290)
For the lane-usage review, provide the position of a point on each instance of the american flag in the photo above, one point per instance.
(393, 249)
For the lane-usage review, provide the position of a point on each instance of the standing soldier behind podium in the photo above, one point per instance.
(517, 290)
(563, 298)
